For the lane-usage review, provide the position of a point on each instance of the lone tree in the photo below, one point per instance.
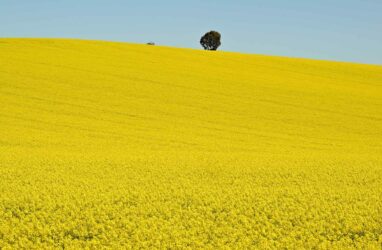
(211, 40)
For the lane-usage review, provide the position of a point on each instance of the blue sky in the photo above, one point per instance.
(341, 30)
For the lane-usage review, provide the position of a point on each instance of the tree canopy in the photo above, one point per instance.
(211, 40)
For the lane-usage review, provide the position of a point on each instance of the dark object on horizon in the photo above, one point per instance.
(211, 40)
(150, 43)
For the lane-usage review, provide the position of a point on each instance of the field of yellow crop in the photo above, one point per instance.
(125, 146)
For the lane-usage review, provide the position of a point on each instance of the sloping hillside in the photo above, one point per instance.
(79, 94)
(120, 144)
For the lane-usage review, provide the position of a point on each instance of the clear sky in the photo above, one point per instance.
(341, 30)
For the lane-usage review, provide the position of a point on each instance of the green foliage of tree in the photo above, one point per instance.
(211, 40)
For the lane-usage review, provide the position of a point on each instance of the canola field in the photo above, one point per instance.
(109, 145)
